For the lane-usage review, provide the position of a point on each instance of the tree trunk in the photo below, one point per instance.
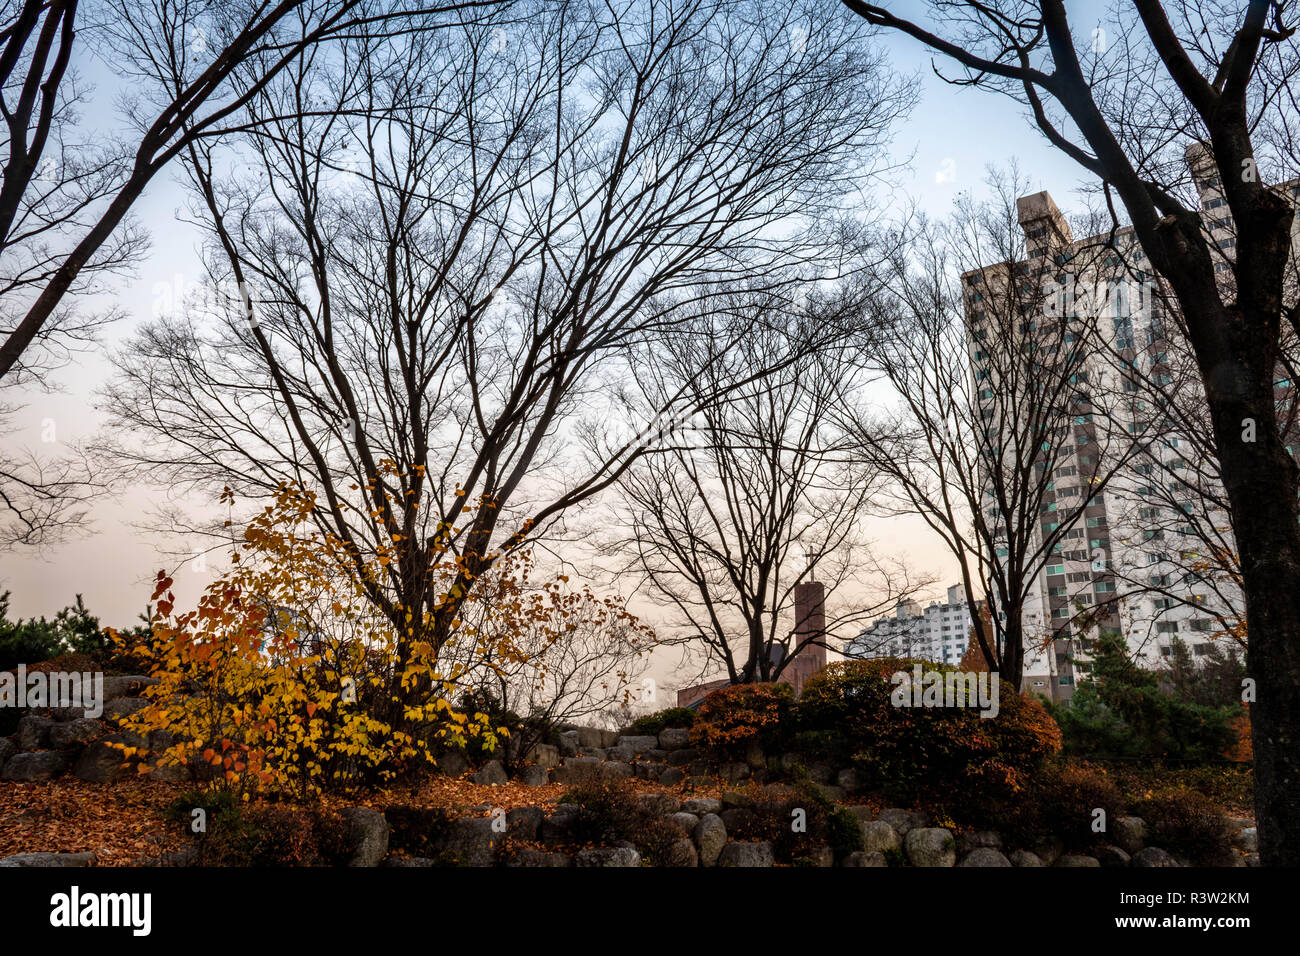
(1261, 482)
(1011, 660)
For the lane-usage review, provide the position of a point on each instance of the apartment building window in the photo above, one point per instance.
(1099, 542)
(1055, 569)
(1166, 627)
(1163, 604)
(1200, 625)
(1103, 586)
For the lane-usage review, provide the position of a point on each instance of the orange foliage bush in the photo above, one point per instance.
(733, 717)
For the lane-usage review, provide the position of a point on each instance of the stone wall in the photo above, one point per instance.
(54, 741)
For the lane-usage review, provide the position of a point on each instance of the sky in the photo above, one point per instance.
(948, 141)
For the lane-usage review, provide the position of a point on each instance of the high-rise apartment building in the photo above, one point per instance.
(1145, 557)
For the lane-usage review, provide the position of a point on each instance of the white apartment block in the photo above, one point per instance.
(938, 632)
(1128, 553)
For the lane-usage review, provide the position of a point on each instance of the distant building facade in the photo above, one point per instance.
(939, 632)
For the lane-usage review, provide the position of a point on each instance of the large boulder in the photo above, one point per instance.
(596, 738)
(674, 738)
(7, 750)
(682, 853)
(569, 743)
(672, 777)
(638, 745)
(534, 775)
(1129, 833)
(1248, 839)
(733, 772)
(124, 707)
(129, 686)
(524, 823)
(984, 856)
(702, 805)
(614, 770)
(660, 804)
(1049, 850)
(746, 854)
(35, 767)
(558, 827)
(710, 837)
(546, 755)
(608, 856)
(902, 820)
(472, 840)
(576, 770)
(1112, 856)
(492, 774)
(879, 835)
(48, 859)
(75, 733)
(452, 763)
(1077, 860)
(1025, 858)
(33, 733)
(101, 762)
(930, 846)
(977, 839)
(682, 758)
(1153, 856)
(171, 773)
(367, 834)
(651, 771)
(687, 821)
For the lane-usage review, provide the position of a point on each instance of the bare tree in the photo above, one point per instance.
(550, 653)
(995, 441)
(1181, 75)
(69, 186)
(746, 502)
(430, 274)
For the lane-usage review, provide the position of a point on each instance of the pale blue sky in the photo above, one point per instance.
(951, 137)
